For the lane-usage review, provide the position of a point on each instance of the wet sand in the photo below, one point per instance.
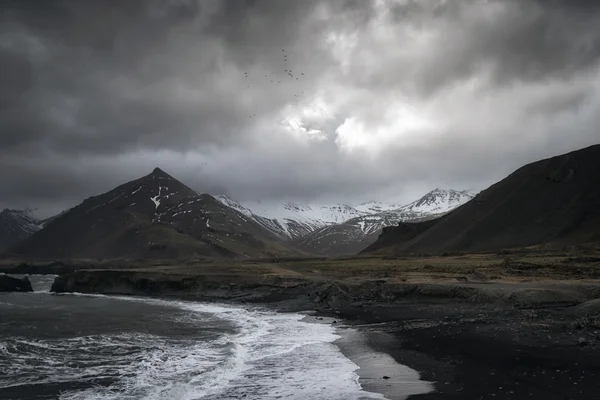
(378, 371)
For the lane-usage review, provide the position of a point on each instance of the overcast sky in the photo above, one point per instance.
(300, 100)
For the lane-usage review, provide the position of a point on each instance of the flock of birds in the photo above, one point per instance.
(275, 78)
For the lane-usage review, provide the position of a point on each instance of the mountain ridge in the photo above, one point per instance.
(294, 221)
(550, 202)
(304, 226)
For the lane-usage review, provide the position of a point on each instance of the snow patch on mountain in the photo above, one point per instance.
(16, 225)
(319, 214)
(26, 220)
(372, 207)
(156, 199)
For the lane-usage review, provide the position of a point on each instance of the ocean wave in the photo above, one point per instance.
(265, 355)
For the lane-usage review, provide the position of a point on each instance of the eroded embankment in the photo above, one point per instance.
(319, 294)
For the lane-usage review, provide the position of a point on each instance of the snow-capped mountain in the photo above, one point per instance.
(372, 207)
(16, 225)
(357, 233)
(439, 201)
(339, 228)
(290, 220)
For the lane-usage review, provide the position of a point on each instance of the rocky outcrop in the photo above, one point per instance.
(11, 284)
(53, 268)
(338, 295)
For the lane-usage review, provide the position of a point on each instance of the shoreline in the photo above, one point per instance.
(473, 340)
(401, 381)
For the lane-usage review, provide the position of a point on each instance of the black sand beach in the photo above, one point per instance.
(486, 351)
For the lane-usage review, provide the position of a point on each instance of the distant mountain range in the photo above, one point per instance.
(290, 220)
(316, 229)
(552, 203)
(340, 228)
(355, 234)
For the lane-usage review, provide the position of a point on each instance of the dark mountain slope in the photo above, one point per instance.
(401, 233)
(152, 217)
(555, 201)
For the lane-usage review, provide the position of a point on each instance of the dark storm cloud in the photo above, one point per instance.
(107, 76)
(94, 93)
(520, 40)
(75, 50)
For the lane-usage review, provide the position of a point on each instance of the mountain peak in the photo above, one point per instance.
(158, 173)
(440, 190)
(439, 201)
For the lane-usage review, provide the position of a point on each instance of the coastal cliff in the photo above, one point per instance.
(303, 293)
(201, 287)
(11, 284)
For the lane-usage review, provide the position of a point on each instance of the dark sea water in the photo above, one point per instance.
(99, 347)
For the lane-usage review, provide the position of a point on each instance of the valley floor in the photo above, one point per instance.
(511, 326)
